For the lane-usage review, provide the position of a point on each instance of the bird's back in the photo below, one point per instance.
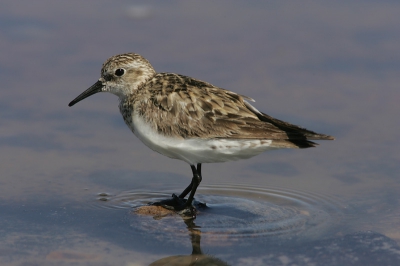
(182, 107)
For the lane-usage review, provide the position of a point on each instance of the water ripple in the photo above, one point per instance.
(237, 210)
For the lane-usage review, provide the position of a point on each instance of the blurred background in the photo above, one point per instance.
(332, 67)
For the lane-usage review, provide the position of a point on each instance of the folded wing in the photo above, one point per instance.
(191, 108)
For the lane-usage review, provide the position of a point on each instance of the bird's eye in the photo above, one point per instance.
(119, 72)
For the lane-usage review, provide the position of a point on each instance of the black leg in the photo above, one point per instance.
(179, 202)
(199, 171)
(195, 183)
(189, 188)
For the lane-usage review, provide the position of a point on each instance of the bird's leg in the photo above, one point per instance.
(195, 183)
(189, 188)
(178, 202)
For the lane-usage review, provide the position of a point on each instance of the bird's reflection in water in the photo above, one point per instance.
(197, 257)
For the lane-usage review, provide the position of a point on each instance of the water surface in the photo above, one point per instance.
(71, 178)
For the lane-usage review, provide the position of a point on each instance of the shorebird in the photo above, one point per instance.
(191, 120)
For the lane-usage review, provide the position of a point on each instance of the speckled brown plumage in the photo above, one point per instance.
(183, 107)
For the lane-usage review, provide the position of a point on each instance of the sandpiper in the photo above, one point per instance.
(191, 120)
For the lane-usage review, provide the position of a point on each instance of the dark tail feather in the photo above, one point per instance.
(295, 133)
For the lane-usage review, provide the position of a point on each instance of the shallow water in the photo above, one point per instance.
(73, 178)
(238, 211)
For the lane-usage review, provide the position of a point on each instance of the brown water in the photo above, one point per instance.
(71, 178)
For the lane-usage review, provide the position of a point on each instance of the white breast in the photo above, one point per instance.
(197, 150)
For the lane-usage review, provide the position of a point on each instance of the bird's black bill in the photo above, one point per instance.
(95, 88)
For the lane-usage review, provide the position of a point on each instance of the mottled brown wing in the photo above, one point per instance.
(187, 107)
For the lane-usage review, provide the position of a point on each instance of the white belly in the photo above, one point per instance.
(198, 150)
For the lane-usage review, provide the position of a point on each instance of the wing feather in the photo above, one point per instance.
(184, 107)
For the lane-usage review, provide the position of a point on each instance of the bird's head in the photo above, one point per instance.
(120, 75)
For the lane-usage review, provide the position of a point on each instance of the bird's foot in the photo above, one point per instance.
(175, 203)
(180, 206)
